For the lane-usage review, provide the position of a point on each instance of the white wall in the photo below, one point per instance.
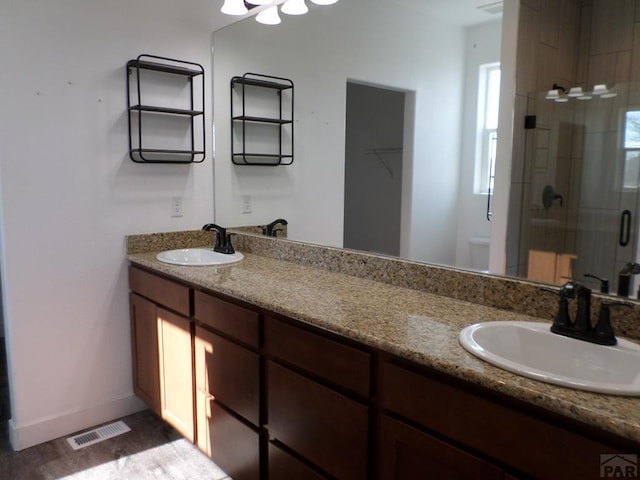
(70, 194)
(482, 47)
(320, 52)
(502, 213)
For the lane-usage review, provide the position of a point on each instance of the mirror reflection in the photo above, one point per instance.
(581, 215)
(409, 175)
(395, 133)
(574, 191)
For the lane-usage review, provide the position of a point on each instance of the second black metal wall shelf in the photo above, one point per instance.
(168, 122)
(261, 122)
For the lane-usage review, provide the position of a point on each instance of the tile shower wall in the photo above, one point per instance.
(548, 36)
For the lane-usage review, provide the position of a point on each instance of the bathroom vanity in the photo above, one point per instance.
(278, 370)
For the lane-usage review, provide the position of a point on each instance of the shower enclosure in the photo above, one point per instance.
(580, 204)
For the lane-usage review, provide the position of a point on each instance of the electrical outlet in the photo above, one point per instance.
(176, 206)
(247, 204)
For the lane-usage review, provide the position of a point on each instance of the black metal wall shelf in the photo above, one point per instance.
(141, 114)
(241, 153)
(173, 111)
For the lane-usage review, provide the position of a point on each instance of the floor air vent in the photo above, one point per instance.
(98, 434)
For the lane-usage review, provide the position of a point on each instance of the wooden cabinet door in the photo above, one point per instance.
(228, 372)
(176, 372)
(409, 454)
(230, 443)
(144, 344)
(283, 466)
(328, 429)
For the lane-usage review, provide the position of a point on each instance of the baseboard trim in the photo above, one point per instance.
(25, 436)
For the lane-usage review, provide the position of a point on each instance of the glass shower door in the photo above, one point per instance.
(582, 176)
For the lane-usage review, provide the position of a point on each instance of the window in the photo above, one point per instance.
(631, 179)
(487, 127)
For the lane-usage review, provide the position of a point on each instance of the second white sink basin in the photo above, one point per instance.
(531, 350)
(198, 257)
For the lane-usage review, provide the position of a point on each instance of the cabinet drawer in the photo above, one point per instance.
(326, 428)
(283, 466)
(237, 322)
(162, 291)
(409, 454)
(519, 439)
(228, 372)
(332, 360)
(231, 444)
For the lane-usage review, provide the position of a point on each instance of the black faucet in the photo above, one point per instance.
(270, 230)
(582, 329)
(223, 239)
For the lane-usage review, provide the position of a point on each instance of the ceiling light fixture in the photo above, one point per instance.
(575, 92)
(269, 14)
(603, 92)
(294, 7)
(234, 7)
(553, 94)
(559, 94)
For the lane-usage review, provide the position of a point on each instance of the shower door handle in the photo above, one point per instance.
(625, 228)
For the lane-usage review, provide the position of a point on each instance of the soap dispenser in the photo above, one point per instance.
(624, 278)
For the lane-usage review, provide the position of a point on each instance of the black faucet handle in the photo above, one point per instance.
(604, 330)
(604, 283)
(568, 290)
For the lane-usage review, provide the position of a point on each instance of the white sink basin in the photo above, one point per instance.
(531, 350)
(198, 257)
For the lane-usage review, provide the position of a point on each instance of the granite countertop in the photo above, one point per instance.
(409, 323)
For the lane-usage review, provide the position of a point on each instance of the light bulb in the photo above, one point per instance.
(294, 7)
(234, 7)
(324, 2)
(269, 16)
(259, 2)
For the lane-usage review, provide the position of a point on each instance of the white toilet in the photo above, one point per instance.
(479, 250)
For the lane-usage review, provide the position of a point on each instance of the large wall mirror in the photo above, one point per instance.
(395, 132)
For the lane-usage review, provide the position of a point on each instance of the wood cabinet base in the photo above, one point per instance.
(231, 444)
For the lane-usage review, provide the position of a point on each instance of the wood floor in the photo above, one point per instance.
(151, 450)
